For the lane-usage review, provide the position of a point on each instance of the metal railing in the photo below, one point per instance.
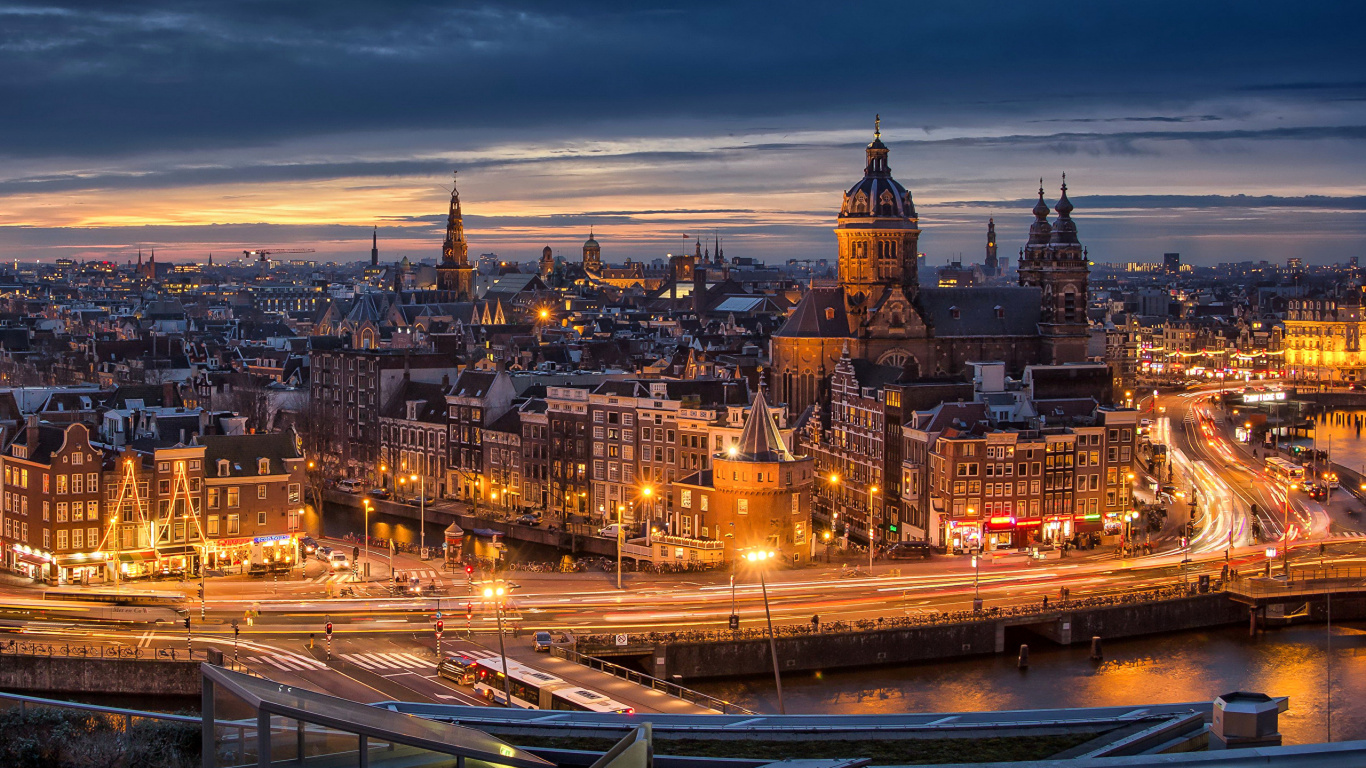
(78, 651)
(1035, 610)
(1302, 581)
(640, 678)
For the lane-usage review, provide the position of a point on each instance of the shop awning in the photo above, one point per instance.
(76, 561)
(137, 556)
(175, 551)
(25, 557)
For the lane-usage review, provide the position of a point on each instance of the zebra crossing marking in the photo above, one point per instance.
(289, 662)
(389, 662)
(425, 575)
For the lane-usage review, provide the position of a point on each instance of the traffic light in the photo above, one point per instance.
(329, 629)
(440, 626)
(355, 553)
(469, 611)
(187, 623)
(469, 570)
(201, 592)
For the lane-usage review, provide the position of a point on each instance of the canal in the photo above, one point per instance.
(1194, 666)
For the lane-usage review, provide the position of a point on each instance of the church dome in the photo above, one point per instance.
(877, 194)
(1064, 229)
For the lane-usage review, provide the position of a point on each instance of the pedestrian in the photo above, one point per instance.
(1045, 602)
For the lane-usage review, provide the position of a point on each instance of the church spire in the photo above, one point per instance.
(877, 153)
(374, 247)
(455, 251)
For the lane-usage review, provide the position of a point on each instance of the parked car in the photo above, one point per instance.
(380, 493)
(610, 531)
(340, 561)
(541, 641)
(529, 519)
(350, 486)
(909, 550)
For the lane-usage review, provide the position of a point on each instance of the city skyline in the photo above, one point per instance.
(197, 130)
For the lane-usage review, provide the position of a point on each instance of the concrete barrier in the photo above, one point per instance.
(61, 674)
(930, 642)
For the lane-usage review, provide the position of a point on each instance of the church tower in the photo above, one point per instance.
(592, 255)
(374, 248)
(455, 273)
(1055, 261)
(547, 262)
(878, 234)
(992, 268)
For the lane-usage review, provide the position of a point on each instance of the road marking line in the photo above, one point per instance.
(421, 662)
(382, 661)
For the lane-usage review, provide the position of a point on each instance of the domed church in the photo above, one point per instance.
(880, 313)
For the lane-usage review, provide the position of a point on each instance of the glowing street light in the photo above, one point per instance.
(498, 595)
(758, 558)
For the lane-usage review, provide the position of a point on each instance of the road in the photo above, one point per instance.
(384, 647)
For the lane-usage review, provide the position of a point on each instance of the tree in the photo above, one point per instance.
(320, 436)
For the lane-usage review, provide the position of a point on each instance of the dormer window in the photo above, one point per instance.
(263, 466)
(223, 468)
(1000, 312)
(954, 313)
(829, 313)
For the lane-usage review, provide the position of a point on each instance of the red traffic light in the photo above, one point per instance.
(440, 625)
(469, 610)
(329, 629)
(469, 569)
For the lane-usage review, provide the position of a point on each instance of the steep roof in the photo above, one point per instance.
(242, 451)
(1004, 311)
(760, 440)
(820, 314)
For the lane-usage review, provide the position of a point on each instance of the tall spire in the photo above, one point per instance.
(1064, 206)
(877, 126)
(374, 247)
(760, 440)
(455, 251)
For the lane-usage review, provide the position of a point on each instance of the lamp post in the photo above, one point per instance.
(758, 557)
(421, 517)
(1285, 532)
(872, 507)
(827, 546)
(365, 535)
(498, 593)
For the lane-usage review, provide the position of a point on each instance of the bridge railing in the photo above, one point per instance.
(1044, 609)
(640, 678)
(1303, 581)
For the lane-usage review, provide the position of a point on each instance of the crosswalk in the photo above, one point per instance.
(391, 662)
(1351, 534)
(288, 662)
(426, 575)
(337, 577)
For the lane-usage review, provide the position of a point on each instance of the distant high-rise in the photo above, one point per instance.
(992, 268)
(1171, 263)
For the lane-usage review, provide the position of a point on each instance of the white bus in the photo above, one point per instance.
(1284, 471)
(534, 689)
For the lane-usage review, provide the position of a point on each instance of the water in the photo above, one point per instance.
(1348, 448)
(1194, 666)
(340, 520)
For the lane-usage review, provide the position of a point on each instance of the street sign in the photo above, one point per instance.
(621, 640)
(734, 621)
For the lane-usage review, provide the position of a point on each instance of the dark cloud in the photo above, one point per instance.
(95, 78)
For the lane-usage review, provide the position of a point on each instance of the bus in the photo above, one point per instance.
(1284, 471)
(117, 597)
(534, 689)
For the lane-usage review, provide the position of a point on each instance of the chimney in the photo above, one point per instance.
(168, 393)
(445, 381)
(699, 291)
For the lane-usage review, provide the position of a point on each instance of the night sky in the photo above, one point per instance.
(1225, 131)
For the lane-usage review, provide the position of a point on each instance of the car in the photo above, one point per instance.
(380, 493)
(458, 667)
(909, 550)
(610, 532)
(323, 553)
(541, 641)
(339, 561)
(309, 545)
(350, 486)
(529, 519)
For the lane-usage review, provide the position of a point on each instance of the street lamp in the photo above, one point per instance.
(498, 593)
(421, 517)
(1285, 531)
(758, 557)
(365, 534)
(872, 505)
